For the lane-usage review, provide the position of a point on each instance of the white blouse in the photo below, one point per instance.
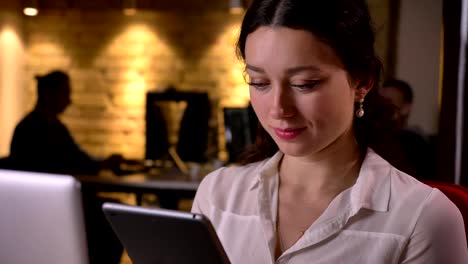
(385, 217)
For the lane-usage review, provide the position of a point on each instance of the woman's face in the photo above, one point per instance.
(299, 89)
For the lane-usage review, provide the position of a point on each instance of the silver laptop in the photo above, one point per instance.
(41, 219)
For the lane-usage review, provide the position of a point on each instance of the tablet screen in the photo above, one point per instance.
(154, 235)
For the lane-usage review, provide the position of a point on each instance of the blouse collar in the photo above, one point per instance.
(371, 190)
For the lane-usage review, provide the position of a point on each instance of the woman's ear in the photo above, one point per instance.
(362, 88)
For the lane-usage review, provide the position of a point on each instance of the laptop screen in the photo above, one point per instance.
(42, 219)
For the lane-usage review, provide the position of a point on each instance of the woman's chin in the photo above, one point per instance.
(295, 150)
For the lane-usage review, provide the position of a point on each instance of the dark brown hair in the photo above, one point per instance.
(346, 26)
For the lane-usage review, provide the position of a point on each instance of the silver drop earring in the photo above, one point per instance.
(360, 111)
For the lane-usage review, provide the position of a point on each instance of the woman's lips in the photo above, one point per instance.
(288, 133)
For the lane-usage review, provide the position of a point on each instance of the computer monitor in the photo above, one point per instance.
(240, 126)
(42, 219)
(192, 134)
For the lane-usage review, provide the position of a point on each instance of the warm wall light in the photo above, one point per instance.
(12, 80)
(31, 8)
(129, 7)
(30, 11)
(236, 6)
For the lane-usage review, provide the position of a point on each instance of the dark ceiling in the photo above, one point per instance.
(156, 5)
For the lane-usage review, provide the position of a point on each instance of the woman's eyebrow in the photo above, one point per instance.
(289, 71)
(254, 68)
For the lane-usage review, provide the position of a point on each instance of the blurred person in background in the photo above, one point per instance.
(418, 154)
(42, 143)
(401, 96)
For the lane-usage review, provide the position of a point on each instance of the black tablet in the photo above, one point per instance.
(154, 235)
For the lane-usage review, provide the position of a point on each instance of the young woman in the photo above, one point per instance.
(314, 190)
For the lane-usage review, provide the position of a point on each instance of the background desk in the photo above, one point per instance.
(169, 187)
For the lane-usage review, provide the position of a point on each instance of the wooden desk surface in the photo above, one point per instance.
(166, 184)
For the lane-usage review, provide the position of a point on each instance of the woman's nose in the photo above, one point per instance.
(282, 103)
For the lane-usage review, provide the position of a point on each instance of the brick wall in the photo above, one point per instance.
(113, 60)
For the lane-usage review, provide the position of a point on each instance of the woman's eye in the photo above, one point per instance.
(258, 85)
(305, 86)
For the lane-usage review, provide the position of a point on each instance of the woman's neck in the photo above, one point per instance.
(325, 173)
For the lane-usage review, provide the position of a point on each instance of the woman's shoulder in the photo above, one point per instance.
(437, 233)
(402, 184)
(429, 215)
(404, 191)
(433, 202)
(405, 183)
(419, 199)
(409, 190)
